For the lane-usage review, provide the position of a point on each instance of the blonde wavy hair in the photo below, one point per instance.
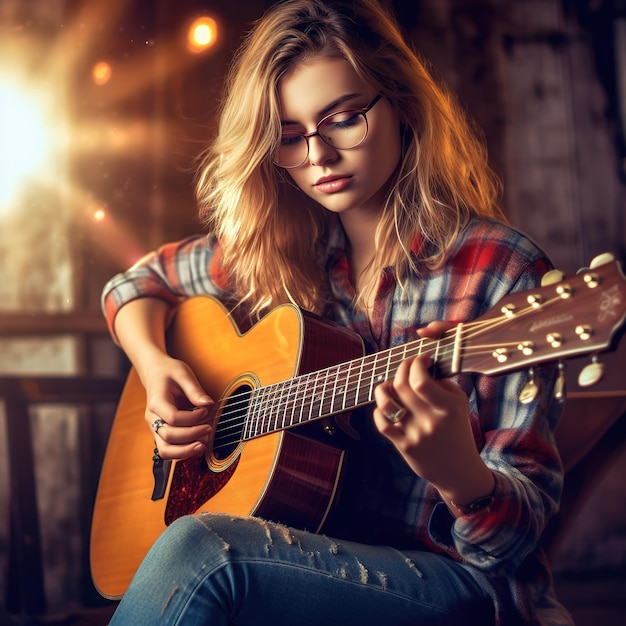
(271, 234)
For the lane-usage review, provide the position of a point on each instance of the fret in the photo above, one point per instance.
(304, 386)
(272, 406)
(352, 385)
(313, 399)
(290, 406)
(319, 392)
(302, 390)
(279, 407)
(262, 411)
(251, 413)
(446, 362)
(275, 408)
(283, 405)
(316, 397)
(334, 394)
(377, 376)
(346, 386)
(370, 369)
(386, 375)
(324, 394)
(394, 362)
(335, 403)
(359, 386)
(436, 355)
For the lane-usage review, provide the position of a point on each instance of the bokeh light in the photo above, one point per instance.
(99, 215)
(101, 73)
(202, 34)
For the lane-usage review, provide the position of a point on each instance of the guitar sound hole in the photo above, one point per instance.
(230, 425)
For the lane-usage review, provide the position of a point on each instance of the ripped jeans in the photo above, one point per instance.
(221, 570)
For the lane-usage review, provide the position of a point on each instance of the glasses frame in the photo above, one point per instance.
(360, 111)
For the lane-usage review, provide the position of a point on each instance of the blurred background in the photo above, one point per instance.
(104, 108)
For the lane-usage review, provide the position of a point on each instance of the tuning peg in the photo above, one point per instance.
(601, 259)
(591, 374)
(559, 384)
(530, 390)
(551, 277)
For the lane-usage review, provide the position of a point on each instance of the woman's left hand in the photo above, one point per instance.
(432, 431)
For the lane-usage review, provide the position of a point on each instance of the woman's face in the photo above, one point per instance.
(356, 179)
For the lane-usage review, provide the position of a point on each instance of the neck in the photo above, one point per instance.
(360, 228)
(360, 232)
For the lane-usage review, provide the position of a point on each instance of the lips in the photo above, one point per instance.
(332, 184)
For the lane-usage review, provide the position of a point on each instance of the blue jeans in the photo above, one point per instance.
(218, 570)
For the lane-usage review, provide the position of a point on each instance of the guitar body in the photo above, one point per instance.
(287, 476)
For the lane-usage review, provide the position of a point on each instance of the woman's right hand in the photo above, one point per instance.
(175, 397)
(173, 393)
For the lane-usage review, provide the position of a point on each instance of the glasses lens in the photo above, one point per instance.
(344, 130)
(292, 150)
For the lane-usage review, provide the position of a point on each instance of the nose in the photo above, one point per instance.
(319, 151)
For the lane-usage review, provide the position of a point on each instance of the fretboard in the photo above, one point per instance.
(336, 389)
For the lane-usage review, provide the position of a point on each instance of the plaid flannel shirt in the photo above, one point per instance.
(498, 545)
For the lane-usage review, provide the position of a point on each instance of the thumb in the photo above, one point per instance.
(435, 330)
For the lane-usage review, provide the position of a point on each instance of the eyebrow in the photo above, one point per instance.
(328, 108)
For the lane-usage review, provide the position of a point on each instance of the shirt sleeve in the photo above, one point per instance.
(522, 454)
(174, 272)
(516, 441)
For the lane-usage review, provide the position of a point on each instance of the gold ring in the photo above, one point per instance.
(396, 416)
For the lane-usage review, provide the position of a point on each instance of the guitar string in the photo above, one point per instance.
(305, 388)
(376, 363)
(386, 361)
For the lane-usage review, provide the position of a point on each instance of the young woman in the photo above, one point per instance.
(345, 180)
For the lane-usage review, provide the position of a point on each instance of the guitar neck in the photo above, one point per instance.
(553, 322)
(336, 389)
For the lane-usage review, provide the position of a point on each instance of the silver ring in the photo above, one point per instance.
(157, 424)
(396, 416)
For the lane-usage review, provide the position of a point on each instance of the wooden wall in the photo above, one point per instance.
(541, 78)
(545, 80)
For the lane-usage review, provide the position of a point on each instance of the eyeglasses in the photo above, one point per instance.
(342, 130)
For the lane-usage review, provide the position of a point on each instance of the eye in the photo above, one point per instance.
(343, 119)
(291, 139)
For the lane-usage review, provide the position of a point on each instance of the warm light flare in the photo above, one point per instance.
(108, 233)
(202, 34)
(25, 141)
(101, 73)
(99, 215)
(52, 124)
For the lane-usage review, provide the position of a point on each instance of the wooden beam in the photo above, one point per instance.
(52, 324)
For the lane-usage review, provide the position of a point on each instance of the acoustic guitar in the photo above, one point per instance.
(283, 386)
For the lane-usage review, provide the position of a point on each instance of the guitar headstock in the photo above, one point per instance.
(557, 321)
